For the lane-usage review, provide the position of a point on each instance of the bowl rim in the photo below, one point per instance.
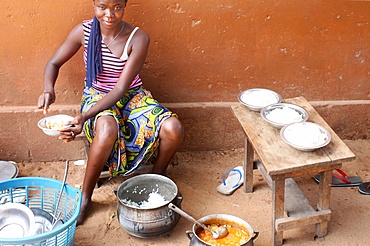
(254, 107)
(277, 105)
(306, 148)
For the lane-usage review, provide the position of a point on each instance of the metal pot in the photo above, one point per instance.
(147, 222)
(224, 219)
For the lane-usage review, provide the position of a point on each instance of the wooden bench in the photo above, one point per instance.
(280, 163)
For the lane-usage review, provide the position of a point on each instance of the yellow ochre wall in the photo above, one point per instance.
(202, 55)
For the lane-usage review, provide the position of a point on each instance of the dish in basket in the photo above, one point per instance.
(305, 136)
(51, 125)
(16, 221)
(281, 114)
(256, 99)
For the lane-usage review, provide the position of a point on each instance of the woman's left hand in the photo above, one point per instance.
(70, 133)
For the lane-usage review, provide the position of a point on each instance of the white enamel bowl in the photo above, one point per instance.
(257, 98)
(16, 221)
(305, 136)
(51, 125)
(282, 114)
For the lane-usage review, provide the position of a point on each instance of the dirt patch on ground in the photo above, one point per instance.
(197, 174)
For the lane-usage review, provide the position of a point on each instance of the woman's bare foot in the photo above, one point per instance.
(85, 208)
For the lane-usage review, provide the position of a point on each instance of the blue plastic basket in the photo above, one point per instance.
(43, 193)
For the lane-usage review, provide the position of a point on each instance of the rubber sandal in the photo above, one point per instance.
(364, 188)
(233, 181)
(342, 180)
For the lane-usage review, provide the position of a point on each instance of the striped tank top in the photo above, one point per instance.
(112, 65)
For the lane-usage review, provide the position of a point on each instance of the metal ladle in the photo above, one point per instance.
(219, 233)
(55, 219)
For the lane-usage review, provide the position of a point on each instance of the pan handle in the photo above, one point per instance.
(256, 233)
(189, 234)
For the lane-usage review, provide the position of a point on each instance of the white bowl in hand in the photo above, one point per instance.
(51, 125)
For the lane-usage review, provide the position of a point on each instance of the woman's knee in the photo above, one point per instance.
(106, 128)
(173, 129)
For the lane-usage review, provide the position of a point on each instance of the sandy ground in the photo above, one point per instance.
(197, 174)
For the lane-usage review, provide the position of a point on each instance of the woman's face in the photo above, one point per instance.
(109, 12)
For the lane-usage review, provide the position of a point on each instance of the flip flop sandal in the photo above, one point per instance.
(233, 181)
(342, 180)
(364, 188)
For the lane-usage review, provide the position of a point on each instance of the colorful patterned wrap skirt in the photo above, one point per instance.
(138, 117)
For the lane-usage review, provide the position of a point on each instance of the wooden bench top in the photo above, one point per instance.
(277, 157)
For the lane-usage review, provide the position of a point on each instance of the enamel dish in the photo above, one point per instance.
(256, 99)
(305, 136)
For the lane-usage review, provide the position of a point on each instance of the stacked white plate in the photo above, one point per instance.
(8, 170)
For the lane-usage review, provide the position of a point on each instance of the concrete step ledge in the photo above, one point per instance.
(208, 125)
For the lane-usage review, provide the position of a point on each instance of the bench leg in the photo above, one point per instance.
(248, 166)
(278, 190)
(324, 201)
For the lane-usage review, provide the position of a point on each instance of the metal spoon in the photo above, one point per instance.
(57, 222)
(219, 233)
(61, 191)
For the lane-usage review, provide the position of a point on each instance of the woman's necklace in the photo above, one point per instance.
(116, 35)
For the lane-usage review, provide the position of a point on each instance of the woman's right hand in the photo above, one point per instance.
(45, 100)
(78, 122)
